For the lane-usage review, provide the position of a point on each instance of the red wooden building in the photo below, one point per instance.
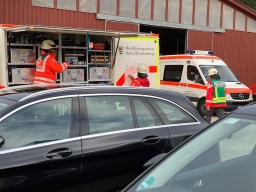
(225, 27)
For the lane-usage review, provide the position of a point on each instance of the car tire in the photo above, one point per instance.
(201, 107)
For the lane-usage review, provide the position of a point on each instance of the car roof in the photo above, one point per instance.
(20, 95)
(29, 91)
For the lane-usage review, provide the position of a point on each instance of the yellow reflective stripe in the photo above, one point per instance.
(216, 93)
(219, 100)
(157, 61)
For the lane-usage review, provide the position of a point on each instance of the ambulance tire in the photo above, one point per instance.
(201, 107)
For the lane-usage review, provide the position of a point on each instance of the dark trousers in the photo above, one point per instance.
(208, 114)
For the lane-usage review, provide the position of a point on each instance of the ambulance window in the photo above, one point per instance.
(193, 74)
(173, 73)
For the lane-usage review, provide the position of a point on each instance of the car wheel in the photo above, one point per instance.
(201, 107)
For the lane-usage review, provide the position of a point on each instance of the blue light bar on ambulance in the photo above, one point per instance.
(199, 52)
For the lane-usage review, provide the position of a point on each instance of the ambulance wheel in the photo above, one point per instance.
(201, 107)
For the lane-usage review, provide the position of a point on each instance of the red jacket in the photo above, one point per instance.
(47, 67)
(209, 96)
(140, 82)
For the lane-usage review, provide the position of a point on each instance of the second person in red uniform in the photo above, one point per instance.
(215, 95)
(142, 78)
(46, 66)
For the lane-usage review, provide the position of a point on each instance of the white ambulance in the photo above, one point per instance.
(187, 73)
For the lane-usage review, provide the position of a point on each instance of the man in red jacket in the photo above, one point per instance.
(46, 66)
(215, 95)
(142, 78)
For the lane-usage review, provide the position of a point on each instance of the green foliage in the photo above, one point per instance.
(249, 3)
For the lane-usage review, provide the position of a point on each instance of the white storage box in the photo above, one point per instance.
(20, 56)
(99, 73)
(23, 75)
(73, 75)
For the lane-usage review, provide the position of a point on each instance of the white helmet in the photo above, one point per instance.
(212, 71)
(48, 44)
(142, 69)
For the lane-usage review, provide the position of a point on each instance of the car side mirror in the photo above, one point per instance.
(1, 141)
(154, 160)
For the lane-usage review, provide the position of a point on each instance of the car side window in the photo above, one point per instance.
(146, 117)
(109, 113)
(37, 123)
(173, 113)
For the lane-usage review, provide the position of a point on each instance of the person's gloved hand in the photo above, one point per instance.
(70, 61)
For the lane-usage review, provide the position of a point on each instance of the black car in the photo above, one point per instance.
(221, 157)
(87, 138)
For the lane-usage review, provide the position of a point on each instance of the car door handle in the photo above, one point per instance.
(62, 152)
(150, 140)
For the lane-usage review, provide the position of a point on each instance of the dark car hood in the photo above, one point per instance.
(247, 110)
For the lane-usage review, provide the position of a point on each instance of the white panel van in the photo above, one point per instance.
(187, 73)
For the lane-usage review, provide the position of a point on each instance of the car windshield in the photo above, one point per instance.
(224, 72)
(222, 158)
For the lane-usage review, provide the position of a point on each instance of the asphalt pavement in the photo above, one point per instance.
(214, 118)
